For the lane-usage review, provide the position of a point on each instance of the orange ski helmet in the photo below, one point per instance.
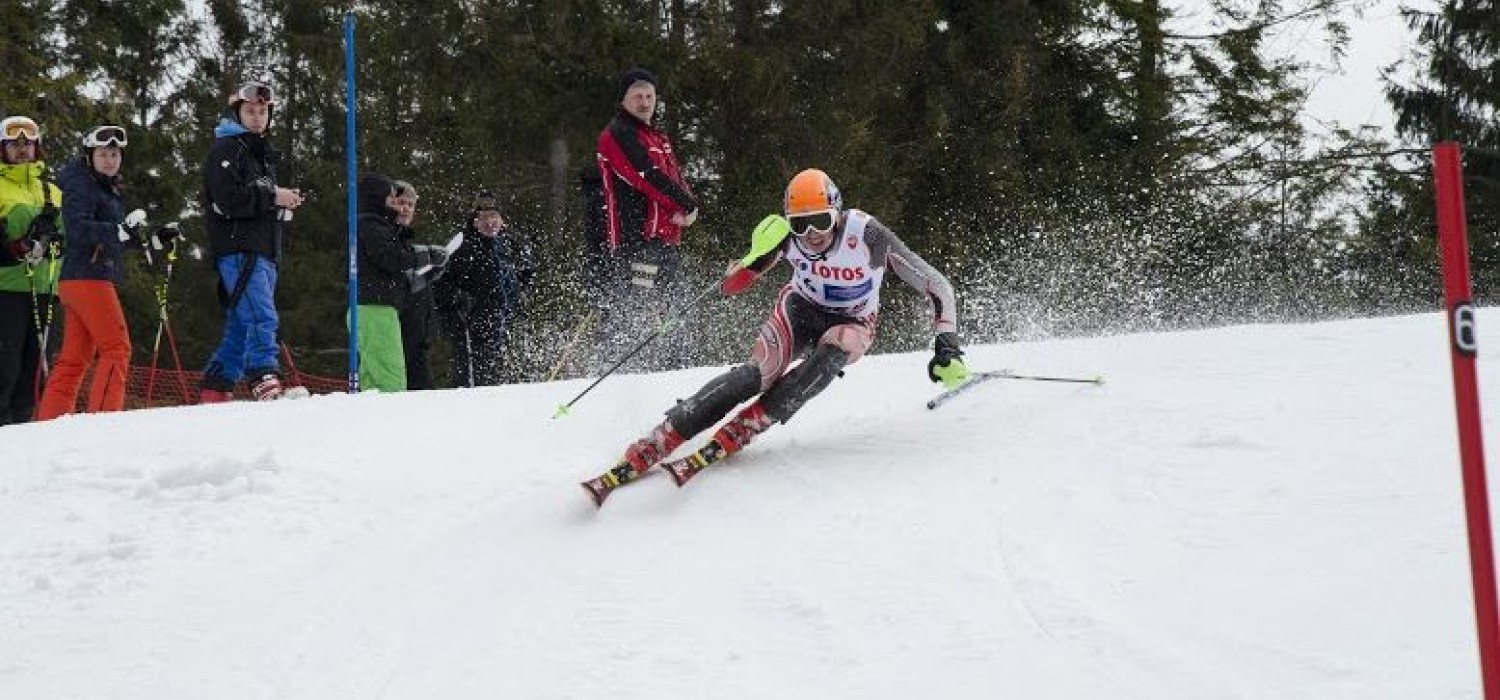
(812, 202)
(811, 191)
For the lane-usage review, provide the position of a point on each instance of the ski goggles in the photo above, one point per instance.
(819, 221)
(251, 92)
(19, 128)
(105, 136)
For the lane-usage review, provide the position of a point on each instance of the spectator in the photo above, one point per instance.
(93, 265)
(385, 258)
(479, 295)
(416, 313)
(646, 206)
(31, 230)
(243, 210)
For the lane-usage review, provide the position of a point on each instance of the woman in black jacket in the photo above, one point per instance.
(93, 264)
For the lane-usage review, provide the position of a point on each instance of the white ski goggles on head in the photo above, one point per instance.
(254, 92)
(18, 129)
(813, 221)
(105, 136)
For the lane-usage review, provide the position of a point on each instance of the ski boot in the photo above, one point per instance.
(729, 439)
(638, 459)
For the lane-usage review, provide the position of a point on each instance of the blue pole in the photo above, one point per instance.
(352, 186)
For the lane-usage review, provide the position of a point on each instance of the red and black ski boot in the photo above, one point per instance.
(729, 439)
(638, 460)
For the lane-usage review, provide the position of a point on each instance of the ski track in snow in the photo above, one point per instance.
(1246, 512)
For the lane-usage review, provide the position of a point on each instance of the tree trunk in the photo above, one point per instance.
(558, 159)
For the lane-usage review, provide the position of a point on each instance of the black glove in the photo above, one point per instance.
(28, 249)
(437, 256)
(463, 305)
(43, 228)
(165, 235)
(415, 282)
(944, 351)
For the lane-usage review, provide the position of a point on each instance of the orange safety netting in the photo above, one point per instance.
(150, 388)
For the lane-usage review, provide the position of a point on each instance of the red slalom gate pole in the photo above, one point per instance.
(1447, 175)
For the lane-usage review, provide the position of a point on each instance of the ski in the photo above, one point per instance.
(601, 486)
(688, 467)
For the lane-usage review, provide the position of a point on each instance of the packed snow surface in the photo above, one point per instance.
(1267, 511)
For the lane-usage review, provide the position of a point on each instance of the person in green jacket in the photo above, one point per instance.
(30, 260)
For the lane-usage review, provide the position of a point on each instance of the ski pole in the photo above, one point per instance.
(1038, 378)
(163, 322)
(567, 353)
(161, 318)
(666, 325)
(977, 378)
(469, 353)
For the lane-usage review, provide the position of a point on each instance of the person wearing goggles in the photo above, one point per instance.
(825, 315)
(245, 209)
(31, 229)
(99, 232)
(105, 136)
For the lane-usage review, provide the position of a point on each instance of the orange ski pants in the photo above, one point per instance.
(93, 322)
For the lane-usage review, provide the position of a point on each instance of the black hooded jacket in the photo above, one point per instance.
(486, 275)
(239, 193)
(384, 256)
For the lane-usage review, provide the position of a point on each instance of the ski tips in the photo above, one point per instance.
(595, 495)
(562, 410)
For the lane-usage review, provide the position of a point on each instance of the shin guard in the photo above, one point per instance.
(720, 395)
(796, 387)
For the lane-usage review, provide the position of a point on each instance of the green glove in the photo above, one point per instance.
(952, 374)
(947, 363)
(766, 237)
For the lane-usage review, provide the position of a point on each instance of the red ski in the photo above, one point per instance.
(601, 486)
(688, 467)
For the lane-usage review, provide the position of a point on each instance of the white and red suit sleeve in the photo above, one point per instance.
(915, 271)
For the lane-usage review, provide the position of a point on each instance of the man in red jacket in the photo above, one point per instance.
(647, 205)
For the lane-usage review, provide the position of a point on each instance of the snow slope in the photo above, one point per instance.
(1246, 512)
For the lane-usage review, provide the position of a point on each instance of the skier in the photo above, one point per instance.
(827, 312)
(244, 210)
(31, 229)
(99, 232)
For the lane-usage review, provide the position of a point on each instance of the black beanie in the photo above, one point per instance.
(484, 201)
(631, 77)
(373, 189)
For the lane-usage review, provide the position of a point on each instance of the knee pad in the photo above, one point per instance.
(787, 395)
(853, 338)
(702, 410)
